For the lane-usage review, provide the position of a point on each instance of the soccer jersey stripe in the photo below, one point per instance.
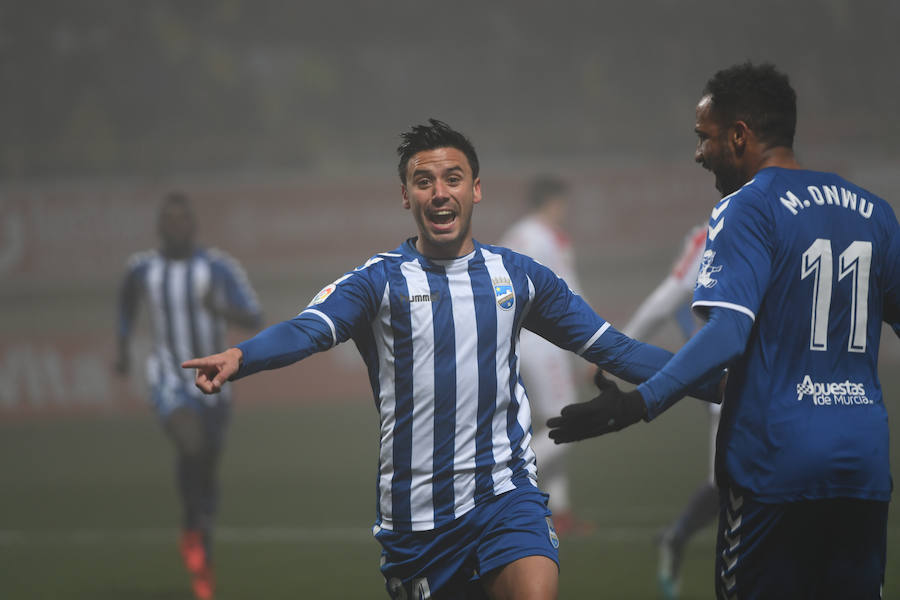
(593, 339)
(503, 340)
(444, 386)
(207, 334)
(383, 338)
(466, 341)
(423, 396)
(327, 320)
(189, 301)
(730, 305)
(167, 308)
(486, 324)
(178, 316)
(400, 507)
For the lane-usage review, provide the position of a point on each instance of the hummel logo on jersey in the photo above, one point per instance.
(713, 230)
(704, 277)
(433, 297)
(503, 290)
(846, 393)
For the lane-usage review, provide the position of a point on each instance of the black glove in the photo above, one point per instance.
(611, 411)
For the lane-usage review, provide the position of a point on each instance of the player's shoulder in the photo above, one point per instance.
(214, 254)
(141, 259)
(378, 265)
(220, 259)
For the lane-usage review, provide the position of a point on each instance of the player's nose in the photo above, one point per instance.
(441, 190)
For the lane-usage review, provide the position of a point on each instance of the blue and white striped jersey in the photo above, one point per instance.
(179, 294)
(440, 340)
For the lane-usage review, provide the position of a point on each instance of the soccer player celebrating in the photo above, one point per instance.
(437, 321)
(190, 293)
(800, 269)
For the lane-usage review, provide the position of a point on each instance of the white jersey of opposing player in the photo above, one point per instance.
(546, 244)
(546, 369)
(674, 293)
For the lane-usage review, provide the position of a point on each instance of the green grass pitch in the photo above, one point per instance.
(88, 508)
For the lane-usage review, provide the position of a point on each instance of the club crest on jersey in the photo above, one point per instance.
(503, 290)
(323, 294)
(551, 531)
(704, 277)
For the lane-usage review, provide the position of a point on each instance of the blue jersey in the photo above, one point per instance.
(178, 295)
(440, 339)
(814, 261)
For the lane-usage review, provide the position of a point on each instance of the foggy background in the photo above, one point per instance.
(281, 121)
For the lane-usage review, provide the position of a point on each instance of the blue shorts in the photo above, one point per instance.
(452, 558)
(812, 549)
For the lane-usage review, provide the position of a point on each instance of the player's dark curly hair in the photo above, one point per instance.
(759, 95)
(428, 137)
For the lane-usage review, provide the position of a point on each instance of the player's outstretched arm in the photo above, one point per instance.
(214, 370)
(611, 411)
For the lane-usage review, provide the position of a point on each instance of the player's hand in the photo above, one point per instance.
(214, 370)
(611, 411)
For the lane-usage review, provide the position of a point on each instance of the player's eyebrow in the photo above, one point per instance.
(425, 171)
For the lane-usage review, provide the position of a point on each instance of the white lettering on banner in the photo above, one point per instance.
(44, 377)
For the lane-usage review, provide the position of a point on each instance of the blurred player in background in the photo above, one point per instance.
(437, 321)
(800, 270)
(190, 294)
(672, 300)
(546, 369)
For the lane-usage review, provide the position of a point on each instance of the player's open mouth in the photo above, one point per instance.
(443, 217)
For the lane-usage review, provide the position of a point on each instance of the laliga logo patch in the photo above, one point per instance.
(323, 294)
(503, 290)
(705, 278)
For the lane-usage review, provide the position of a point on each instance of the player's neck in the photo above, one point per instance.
(778, 156)
(177, 253)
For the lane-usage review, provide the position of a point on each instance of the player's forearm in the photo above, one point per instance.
(698, 365)
(283, 344)
(625, 357)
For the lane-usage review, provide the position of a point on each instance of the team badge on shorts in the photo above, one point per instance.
(554, 539)
(503, 290)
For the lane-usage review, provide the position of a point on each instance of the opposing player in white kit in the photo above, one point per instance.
(547, 370)
(437, 321)
(672, 300)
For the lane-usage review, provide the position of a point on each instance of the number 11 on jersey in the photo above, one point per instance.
(855, 261)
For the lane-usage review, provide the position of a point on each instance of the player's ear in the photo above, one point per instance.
(476, 189)
(405, 195)
(739, 134)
